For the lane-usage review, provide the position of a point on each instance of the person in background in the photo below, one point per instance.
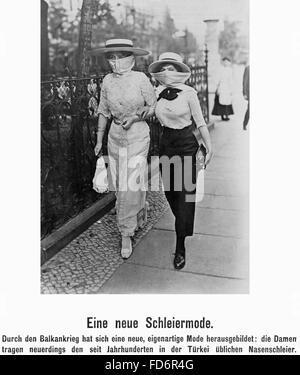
(246, 92)
(179, 112)
(223, 97)
(128, 98)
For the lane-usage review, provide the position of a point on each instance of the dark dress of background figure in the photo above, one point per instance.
(246, 93)
(222, 110)
(224, 92)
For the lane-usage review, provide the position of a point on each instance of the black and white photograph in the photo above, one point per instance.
(144, 146)
(148, 220)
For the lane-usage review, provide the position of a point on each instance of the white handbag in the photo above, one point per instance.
(100, 182)
(200, 162)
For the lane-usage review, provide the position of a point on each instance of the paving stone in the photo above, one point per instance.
(213, 222)
(224, 202)
(94, 252)
(130, 278)
(207, 255)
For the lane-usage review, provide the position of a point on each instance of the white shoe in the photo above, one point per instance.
(126, 249)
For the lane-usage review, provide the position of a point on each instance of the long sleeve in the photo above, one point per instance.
(195, 108)
(148, 92)
(103, 107)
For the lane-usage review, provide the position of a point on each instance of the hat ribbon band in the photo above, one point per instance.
(118, 45)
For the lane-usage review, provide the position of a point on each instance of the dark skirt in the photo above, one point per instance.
(221, 109)
(179, 175)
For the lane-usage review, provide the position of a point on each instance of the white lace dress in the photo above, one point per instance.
(122, 96)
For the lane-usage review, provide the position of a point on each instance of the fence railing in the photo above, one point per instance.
(199, 80)
(68, 138)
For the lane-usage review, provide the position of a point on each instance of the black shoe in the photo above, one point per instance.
(179, 261)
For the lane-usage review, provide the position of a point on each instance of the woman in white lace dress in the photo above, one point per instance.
(128, 98)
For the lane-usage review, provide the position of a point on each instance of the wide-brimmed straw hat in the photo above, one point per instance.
(169, 58)
(121, 45)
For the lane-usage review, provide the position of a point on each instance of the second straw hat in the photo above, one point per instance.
(171, 58)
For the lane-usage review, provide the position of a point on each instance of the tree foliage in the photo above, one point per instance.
(62, 31)
(64, 34)
(231, 42)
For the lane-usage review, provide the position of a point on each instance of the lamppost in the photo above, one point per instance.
(212, 42)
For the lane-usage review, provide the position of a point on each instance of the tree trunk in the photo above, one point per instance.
(88, 11)
(44, 39)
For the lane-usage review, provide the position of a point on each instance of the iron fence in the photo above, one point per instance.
(68, 138)
(199, 80)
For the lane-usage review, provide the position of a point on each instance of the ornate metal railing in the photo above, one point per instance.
(68, 137)
(199, 80)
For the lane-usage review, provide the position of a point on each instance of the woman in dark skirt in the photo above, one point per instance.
(223, 96)
(179, 112)
(223, 110)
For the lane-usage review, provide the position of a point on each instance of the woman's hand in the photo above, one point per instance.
(208, 157)
(128, 121)
(144, 112)
(207, 143)
(98, 148)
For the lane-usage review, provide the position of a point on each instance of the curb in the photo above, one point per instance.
(57, 240)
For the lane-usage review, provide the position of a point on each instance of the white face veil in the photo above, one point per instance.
(170, 78)
(122, 65)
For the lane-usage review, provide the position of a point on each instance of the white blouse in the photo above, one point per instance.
(122, 95)
(178, 113)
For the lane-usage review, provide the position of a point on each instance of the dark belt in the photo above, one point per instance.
(185, 129)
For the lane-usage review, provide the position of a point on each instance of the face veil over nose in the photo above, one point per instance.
(122, 65)
(171, 78)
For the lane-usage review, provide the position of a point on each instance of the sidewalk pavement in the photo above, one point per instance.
(217, 258)
(217, 255)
